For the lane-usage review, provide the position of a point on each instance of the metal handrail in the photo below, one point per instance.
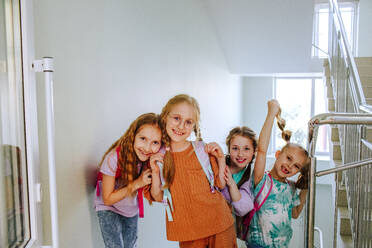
(314, 123)
(349, 58)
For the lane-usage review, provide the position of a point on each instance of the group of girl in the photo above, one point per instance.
(198, 185)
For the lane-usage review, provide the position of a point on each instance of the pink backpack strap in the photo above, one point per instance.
(259, 201)
(140, 203)
(117, 175)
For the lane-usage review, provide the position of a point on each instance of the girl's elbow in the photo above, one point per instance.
(295, 215)
(242, 209)
(106, 202)
(158, 197)
(239, 212)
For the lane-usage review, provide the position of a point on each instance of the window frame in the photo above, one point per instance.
(354, 26)
(273, 142)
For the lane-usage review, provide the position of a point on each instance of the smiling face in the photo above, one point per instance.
(180, 122)
(147, 141)
(288, 162)
(241, 151)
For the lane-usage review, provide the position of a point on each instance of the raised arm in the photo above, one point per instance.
(264, 140)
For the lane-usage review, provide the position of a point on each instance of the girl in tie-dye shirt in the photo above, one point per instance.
(271, 225)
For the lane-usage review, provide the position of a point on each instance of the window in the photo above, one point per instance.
(14, 198)
(300, 99)
(321, 23)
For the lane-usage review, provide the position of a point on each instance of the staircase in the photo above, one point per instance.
(344, 230)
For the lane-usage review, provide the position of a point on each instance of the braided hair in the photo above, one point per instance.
(168, 169)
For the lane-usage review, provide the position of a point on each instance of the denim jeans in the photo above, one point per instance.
(118, 231)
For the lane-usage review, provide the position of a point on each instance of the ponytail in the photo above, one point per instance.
(286, 134)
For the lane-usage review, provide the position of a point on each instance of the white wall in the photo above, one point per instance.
(365, 28)
(256, 91)
(113, 61)
(265, 37)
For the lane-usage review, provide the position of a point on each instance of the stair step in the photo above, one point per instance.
(369, 101)
(336, 151)
(329, 91)
(345, 227)
(334, 134)
(367, 90)
(341, 196)
(366, 81)
(328, 82)
(331, 105)
(339, 174)
(369, 134)
(363, 61)
(364, 70)
(326, 70)
(345, 241)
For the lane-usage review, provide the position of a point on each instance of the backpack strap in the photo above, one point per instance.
(264, 192)
(117, 175)
(203, 157)
(167, 197)
(205, 163)
(259, 201)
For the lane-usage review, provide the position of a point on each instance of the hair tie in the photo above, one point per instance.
(286, 135)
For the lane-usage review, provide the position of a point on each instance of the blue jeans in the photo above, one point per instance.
(118, 231)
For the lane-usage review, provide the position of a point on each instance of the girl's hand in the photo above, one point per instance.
(144, 179)
(214, 149)
(273, 107)
(228, 177)
(157, 157)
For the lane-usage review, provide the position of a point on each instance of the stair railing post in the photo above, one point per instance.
(311, 204)
(361, 134)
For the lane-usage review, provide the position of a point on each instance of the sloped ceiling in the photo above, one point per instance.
(265, 36)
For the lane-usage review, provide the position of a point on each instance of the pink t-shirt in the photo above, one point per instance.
(129, 205)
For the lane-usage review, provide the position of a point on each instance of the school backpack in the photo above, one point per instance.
(203, 158)
(259, 201)
(118, 175)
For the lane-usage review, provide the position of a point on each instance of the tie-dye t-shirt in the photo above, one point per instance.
(271, 225)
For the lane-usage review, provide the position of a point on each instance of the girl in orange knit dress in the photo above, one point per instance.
(199, 215)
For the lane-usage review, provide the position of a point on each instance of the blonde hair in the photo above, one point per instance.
(249, 134)
(128, 160)
(303, 180)
(168, 169)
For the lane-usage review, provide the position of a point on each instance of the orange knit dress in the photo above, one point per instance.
(198, 213)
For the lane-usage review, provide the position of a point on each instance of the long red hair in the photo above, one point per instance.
(127, 160)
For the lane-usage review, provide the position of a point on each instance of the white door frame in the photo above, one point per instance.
(31, 124)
